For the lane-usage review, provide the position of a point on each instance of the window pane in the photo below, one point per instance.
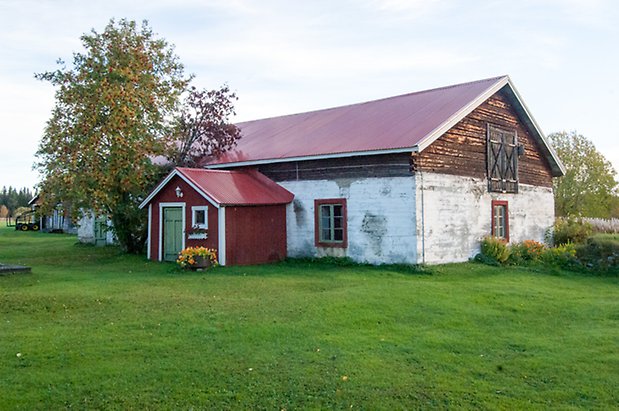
(338, 222)
(325, 223)
(325, 235)
(338, 234)
(499, 221)
(200, 217)
(337, 210)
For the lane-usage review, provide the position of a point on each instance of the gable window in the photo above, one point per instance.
(500, 220)
(330, 225)
(502, 160)
(199, 217)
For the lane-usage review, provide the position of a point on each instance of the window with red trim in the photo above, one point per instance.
(330, 225)
(500, 219)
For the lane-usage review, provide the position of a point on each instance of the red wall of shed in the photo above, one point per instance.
(191, 198)
(255, 235)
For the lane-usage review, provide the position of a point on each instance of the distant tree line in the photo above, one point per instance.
(12, 198)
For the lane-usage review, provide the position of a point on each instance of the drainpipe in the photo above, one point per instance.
(423, 222)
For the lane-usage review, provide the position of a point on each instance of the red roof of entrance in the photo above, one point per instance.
(248, 187)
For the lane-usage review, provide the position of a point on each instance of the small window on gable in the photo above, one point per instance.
(500, 219)
(199, 217)
(330, 225)
(502, 160)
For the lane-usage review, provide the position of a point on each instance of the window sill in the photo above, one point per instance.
(332, 245)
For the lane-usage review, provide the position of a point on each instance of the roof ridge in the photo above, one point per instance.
(378, 99)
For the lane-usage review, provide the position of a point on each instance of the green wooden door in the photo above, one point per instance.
(172, 232)
(100, 231)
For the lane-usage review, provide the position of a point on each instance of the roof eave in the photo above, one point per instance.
(463, 112)
(312, 157)
(165, 181)
(556, 165)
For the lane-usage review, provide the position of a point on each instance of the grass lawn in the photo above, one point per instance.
(91, 328)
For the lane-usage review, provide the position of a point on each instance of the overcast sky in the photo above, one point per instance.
(283, 57)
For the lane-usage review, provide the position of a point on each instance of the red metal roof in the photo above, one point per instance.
(400, 122)
(247, 187)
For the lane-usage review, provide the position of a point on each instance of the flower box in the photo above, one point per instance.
(197, 236)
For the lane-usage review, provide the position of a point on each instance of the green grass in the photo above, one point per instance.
(612, 237)
(100, 330)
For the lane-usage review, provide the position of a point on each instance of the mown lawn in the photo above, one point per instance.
(91, 328)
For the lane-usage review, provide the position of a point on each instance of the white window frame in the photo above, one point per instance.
(194, 224)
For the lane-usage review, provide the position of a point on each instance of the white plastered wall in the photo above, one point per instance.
(86, 230)
(381, 218)
(454, 214)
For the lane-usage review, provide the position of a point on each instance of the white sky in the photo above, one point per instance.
(283, 57)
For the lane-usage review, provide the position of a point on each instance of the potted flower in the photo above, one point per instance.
(197, 233)
(197, 258)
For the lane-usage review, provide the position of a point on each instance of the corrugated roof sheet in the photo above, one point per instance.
(393, 123)
(247, 187)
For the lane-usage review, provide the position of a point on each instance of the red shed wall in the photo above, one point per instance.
(255, 234)
(191, 198)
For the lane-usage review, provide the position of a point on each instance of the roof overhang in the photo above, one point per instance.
(316, 157)
(33, 200)
(166, 180)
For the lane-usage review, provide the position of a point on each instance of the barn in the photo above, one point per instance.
(416, 178)
(240, 214)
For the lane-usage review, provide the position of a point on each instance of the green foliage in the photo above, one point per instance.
(98, 329)
(13, 198)
(108, 122)
(571, 230)
(563, 256)
(587, 189)
(599, 255)
(495, 249)
(526, 251)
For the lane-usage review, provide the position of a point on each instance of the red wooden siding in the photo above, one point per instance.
(255, 235)
(190, 198)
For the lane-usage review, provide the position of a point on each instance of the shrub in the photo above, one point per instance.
(495, 249)
(528, 250)
(599, 255)
(571, 230)
(563, 255)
